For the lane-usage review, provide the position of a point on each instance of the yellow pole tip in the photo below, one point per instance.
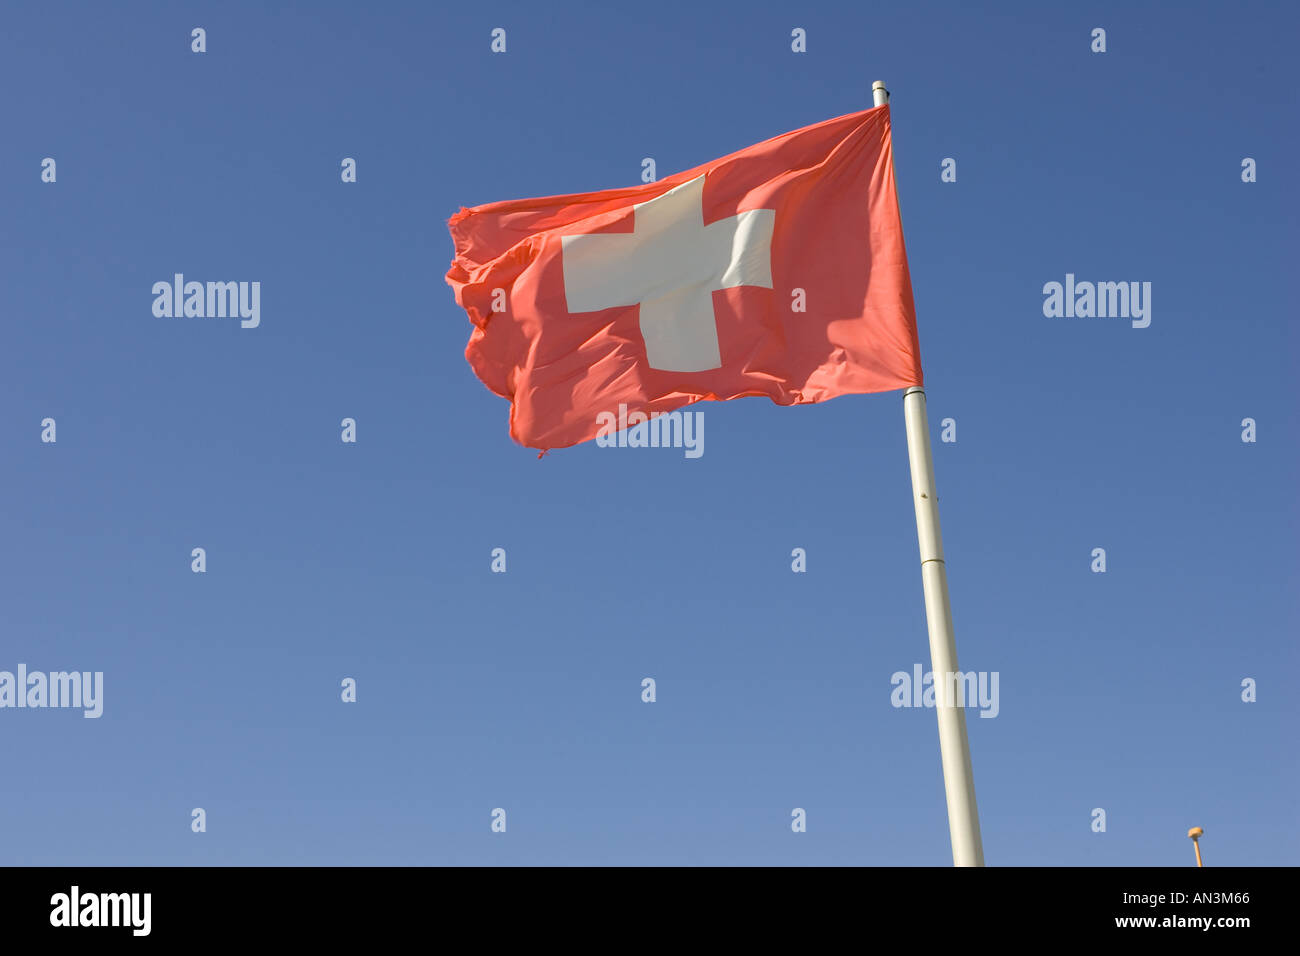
(1195, 832)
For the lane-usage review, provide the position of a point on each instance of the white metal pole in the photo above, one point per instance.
(954, 748)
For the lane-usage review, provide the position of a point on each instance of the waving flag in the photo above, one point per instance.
(778, 270)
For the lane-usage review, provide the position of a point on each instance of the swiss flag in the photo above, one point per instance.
(778, 270)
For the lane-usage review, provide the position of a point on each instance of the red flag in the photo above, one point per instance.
(778, 270)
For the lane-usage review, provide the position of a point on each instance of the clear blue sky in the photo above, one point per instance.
(522, 690)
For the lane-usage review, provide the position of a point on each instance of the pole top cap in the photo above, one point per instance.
(878, 85)
(1195, 832)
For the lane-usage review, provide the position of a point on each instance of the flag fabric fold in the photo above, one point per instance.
(778, 270)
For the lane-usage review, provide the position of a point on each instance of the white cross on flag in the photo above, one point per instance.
(670, 265)
(778, 270)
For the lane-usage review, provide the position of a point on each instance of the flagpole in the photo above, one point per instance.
(954, 748)
(1196, 833)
